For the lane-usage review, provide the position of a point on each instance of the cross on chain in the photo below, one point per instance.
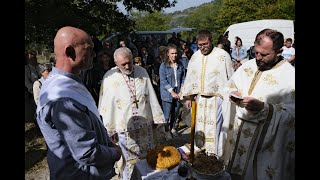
(136, 101)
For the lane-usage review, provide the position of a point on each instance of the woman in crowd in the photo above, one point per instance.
(172, 76)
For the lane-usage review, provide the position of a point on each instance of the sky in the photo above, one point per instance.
(180, 5)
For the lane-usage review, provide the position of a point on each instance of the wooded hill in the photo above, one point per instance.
(99, 17)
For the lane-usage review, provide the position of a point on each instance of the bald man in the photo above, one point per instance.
(78, 144)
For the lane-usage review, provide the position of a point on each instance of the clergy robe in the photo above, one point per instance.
(261, 145)
(129, 107)
(206, 77)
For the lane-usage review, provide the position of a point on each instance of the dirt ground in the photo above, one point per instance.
(36, 167)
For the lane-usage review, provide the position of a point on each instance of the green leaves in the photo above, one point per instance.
(98, 17)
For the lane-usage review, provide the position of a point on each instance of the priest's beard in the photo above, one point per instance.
(127, 71)
(263, 66)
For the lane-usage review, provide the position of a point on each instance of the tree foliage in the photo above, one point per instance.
(98, 17)
(156, 21)
(204, 17)
(218, 15)
(150, 6)
(250, 10)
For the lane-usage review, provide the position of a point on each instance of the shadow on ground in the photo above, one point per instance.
(35, 146)
(33, 157)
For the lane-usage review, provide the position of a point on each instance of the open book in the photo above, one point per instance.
(236, 96)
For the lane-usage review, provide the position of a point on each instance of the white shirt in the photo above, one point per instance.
(174, 67)
(288, 52)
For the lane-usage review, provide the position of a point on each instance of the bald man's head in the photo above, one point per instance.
(74, 49)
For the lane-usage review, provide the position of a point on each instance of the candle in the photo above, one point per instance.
(193, 123)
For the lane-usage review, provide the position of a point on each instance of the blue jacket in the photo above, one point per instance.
(242, 53)
(167, 80)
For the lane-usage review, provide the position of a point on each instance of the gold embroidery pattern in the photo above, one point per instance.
(210, 139)
(290, 147)
(222, 58)
(141, 80)
(237, 123)
(248, 71)
(240, 91)
(231, 141)
(291, 124)
(293, 94)
(230, 126)
(203, 71)
(241, 150)
(236, 169)
(201, 105)
(247, 133)
(158, 117)
(270, 172)
(270, 80)
(215, 88)
(270, 148)
(232, 85)
(104, 110)
(216, 72)
(193, 73)
(194, 86)
(115, 84)
(119, 104)
(278, 107)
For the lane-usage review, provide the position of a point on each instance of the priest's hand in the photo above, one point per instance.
(119, 152)
(252, 104)
(174, 95)
(115, 138)
(188, 104)
(235, 97)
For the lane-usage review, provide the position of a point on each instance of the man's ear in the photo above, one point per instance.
(279, 52)
(71, 53)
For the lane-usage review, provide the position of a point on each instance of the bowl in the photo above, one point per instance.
(207, 167)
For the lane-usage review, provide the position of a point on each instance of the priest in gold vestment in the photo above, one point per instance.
(261, 137)
(208, 72)
(130, 111)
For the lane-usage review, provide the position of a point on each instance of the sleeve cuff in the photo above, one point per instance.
(114, 152)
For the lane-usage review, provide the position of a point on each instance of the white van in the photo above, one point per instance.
(247, 31)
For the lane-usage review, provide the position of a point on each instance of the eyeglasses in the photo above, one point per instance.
(203, 45)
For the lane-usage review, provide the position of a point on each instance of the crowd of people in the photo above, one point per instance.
(100, 108)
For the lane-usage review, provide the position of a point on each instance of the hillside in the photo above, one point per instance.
(179, 16)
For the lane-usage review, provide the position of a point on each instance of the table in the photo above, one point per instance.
(143, 171)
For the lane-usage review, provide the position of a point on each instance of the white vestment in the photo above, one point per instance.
(129, 108)
(261, 145)
(206, 77)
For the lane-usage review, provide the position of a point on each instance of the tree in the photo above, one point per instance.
(98, 17)
(204, 17)
(218, 15)
(250, 10)
(157, 21)
(150, 6)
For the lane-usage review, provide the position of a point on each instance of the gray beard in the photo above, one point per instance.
(126, 72)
